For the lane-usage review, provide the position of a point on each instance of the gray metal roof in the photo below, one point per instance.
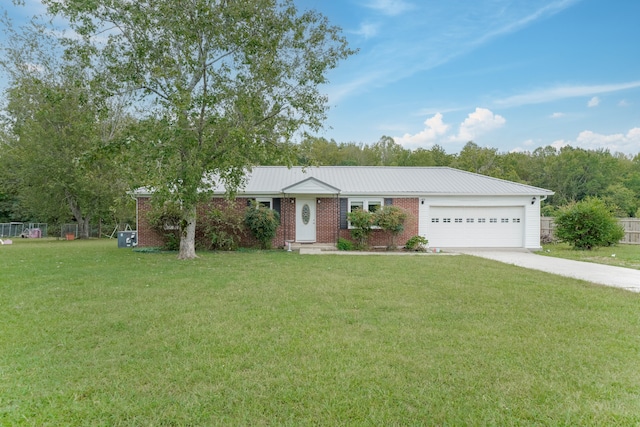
(384, 181)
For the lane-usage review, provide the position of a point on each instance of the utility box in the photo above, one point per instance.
(127, 239)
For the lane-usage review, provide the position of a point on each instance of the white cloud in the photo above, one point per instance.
(559, 144)
(389, 7)
(563, 92)
(367, 30)
(557, 115)
(434, 128)
(617, 142)
(624, 103)
(593, 102)
(477, 123)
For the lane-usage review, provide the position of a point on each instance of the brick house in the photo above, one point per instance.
(449, 207)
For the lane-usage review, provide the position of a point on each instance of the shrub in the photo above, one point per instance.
(224, 227)
(391, 219)
(588, 224)
(165, 219)
(417, 244)
(263, 223)
(345, 245)
(362, 223)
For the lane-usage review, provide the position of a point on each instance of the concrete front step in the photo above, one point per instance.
(316, 247)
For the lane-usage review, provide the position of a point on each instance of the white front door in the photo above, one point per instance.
(305, 220)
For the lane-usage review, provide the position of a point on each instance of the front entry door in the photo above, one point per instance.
(305, 220)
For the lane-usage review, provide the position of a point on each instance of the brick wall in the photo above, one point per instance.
(380, 238)
(147, 236)
(327, 220)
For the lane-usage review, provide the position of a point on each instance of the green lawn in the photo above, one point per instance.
(99, 336)
(619, 255)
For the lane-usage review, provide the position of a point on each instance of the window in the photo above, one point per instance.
(469, 220)
(373, 205)
(447, 220)
(458, 220)
(265, 202)
(504, 220)
(482, 220)
(493, 220)
(435, 219)
(369, 205)
(516, 220)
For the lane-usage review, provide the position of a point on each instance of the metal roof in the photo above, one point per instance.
(383, 181)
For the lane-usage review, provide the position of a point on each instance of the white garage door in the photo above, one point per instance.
(480, 227)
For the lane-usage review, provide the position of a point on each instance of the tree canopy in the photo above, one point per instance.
(226, 84)
(55, 125)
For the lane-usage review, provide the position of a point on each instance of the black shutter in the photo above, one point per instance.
(276, 204)
(388, 202)
(344, 207)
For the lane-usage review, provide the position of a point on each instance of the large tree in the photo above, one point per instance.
(226, 84)
(55, 128)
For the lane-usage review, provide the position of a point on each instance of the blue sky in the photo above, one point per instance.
(508, 74)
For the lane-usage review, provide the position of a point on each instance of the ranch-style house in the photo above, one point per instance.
(449, 207)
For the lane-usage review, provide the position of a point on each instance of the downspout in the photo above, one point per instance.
(338, 217)
(284, 220)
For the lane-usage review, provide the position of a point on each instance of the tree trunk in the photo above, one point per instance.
(84, 227)
(83, 222)
(188, 235)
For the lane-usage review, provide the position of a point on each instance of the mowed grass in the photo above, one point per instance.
(99, 336)
(627, 256)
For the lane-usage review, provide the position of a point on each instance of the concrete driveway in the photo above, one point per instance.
(619, 277)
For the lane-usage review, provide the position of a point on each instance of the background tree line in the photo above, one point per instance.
(573, 173)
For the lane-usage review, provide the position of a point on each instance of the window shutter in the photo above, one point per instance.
(388, 202)
(276, 203)
(344, 207)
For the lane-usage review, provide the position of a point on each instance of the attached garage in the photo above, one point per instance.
(476, 226)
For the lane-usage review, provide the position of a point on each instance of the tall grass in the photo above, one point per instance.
(95, 335)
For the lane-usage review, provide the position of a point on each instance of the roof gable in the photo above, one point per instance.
(311, 185)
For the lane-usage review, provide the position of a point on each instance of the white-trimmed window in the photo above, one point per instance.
(266, 202)
(368, 205)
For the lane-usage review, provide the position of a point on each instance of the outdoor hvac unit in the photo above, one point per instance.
(127, 239)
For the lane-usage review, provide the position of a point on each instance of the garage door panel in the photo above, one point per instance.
(475, 226)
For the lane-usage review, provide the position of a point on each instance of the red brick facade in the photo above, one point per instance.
(327, 222)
